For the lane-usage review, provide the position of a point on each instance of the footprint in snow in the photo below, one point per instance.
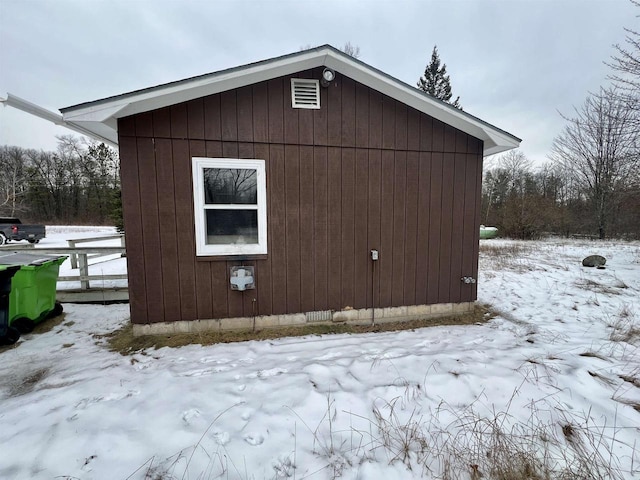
(190, 414)
(141, 366)
(254, 439)
(327, 356)
(87, 402)
(267, 373)
(221, 438)
(204, 371)
(214, 360)
(476, 341)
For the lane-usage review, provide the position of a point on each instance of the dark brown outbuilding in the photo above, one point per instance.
(331, 173)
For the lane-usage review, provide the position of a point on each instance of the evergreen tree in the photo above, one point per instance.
(436, 82)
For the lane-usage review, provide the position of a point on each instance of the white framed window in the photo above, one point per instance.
(230, 206)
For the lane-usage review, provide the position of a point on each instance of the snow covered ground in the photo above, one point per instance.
(561, 362)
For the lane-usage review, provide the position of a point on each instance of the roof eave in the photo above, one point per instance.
(101, 116)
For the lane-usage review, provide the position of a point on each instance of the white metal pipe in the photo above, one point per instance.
(55, 118)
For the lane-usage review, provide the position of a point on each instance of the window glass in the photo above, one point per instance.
(232, 227)
(230, 186)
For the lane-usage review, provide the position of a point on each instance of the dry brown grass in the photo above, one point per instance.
(28, 382)
(602, 378)
(491, 447)
(503, 250)
(591, 354)
(625, 327)
(495, 447)
(511, 256)
(124, 342)
(597, 287)
(471, 446)
(49, 324)
(632, 403)
(632, 379)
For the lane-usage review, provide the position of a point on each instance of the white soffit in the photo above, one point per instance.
(101, 116)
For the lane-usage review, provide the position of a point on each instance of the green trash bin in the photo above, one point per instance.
(33, 288)
(8, 335)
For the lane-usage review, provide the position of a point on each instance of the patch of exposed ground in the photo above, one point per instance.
(123, 341)
(22, 384)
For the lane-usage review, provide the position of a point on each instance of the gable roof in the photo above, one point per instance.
(100, 117)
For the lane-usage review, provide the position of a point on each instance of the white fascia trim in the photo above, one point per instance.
(109, 112)
(495, 149)
(174, 94)
(417, 100)
(218, 84)
(98, 113)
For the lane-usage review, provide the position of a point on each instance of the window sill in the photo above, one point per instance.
(232, 258)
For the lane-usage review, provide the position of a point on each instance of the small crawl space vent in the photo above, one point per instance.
(305, 93)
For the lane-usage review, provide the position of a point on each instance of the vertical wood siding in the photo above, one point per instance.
(363, 172)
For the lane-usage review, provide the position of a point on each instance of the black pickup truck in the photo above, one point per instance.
(14, 229)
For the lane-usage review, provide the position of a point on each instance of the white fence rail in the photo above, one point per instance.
(73, 258)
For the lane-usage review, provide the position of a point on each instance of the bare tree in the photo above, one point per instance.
(598, 148)
(77, 183)
(516, 164)
(348, 48)
(626, 66)
(352, 50)
(13, 177)
(513, 198)
(503, 178)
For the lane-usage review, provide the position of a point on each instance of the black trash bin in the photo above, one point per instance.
(8, 335)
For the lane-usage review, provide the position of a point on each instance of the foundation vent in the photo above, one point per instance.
(305, 93)
(319, 316)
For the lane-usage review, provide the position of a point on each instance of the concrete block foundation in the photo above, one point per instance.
(349, 316)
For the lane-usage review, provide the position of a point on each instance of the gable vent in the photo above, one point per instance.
(305, 93)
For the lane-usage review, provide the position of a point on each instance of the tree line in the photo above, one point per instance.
(526, 202)
(77, 184)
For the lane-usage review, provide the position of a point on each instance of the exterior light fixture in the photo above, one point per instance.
(328, 76)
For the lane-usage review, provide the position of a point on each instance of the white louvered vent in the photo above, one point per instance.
(305, 93)
(320, 316)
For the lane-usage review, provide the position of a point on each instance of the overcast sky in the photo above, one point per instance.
(514, 63)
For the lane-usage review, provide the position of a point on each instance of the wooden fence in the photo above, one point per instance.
(73, 258)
